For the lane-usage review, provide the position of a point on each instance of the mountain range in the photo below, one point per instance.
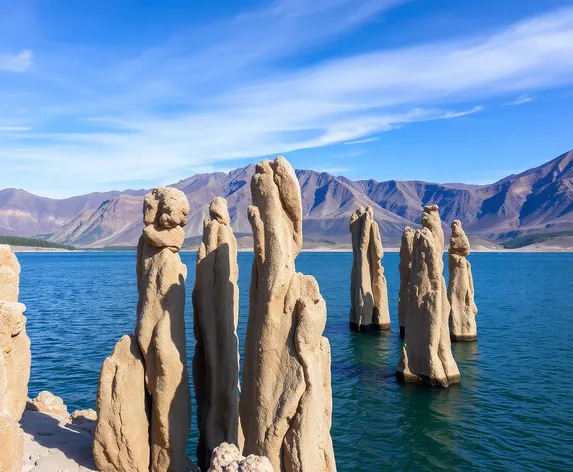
(536, 201)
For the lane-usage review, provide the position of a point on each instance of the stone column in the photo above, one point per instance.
(286, 402)
(461, 287)
(405, 267)
(216, 313)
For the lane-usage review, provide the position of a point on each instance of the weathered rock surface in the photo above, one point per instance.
(461, 287)
(431, 220)
(121, 440)
(286, 403)
(369, 294)
(83, 416)
(227, 458)
(405, 267)
(216, 313)
(47, 402)
(160, 328)
(15, 360)
(426, 353)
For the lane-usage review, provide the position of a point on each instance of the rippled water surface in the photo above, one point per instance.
(512, 411)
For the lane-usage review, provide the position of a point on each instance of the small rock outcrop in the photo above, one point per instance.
(121, 440)
(83, 416)
(161, 353)
(431, 220)
(461, 287)
(286, 402)
(405, 268)
(227, 458)
(426, 353)
(216, 313)
(47, 402)
(15, 361)
(368, 291)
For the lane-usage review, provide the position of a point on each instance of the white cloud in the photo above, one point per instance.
(9, 129)
(521, 100)
(20, 62)
(176, 107)
(362, 141)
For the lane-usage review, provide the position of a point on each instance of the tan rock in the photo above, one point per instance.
(286, 402)
(227, 458)
(160, 328)
(461, 287)
(10, 433)
(426, 353)
(47, 402)
(216, 312)
(83, 416)
(431, 220)
(121, 440)
(9, 274)
(405, 267)
(369, 294)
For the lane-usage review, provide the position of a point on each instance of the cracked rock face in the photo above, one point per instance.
(369, 294)
(426, 353)
(216, 312)
(431, 220)
(286, 403)
(461, 287)
(121, 440)
(15, 361)
(405, 268)
(160, 328)
(227, 458)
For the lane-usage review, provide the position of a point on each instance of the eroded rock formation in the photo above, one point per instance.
(121, 440)
(461, 287)
(227, 458)
(405, 267)
(216, 313)
(286, 402)
(47, 402)
(426, 353)
(369, 294)
(160, 335)
(15, 360)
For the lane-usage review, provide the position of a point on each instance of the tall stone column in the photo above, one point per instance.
(15, 361)
(216, 313)
(286, 402)
(369, 294)
(405, 268)
(461, 287)
(426, 353)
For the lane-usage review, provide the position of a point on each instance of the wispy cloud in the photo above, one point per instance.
(207, 97)
(20, 62)
(14, 128)
(521, 100)
(362, 141)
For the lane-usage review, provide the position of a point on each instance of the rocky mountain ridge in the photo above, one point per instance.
(535, 201)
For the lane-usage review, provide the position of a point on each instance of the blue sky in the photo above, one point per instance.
(111, 94)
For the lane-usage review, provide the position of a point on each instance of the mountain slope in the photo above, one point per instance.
(537, 200)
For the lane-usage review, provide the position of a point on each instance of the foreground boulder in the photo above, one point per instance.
(227, 458)
(461, 287)
(426, 353)
(15, 361)
(405, 268)
(121, 440)
(369, 294)
(47, 402)
(286, 402)
(216, 313)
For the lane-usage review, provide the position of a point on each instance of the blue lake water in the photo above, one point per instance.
(512, 411)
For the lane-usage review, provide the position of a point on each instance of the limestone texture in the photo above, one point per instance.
(431, 220)
(216, 313)
(461, 287)
(15, 361)
(47, 402)
(426, 353)
(160, 328)
(121, 440)
(83, 416)
(286, 402)
(368, 291)
(227, 458)
(405, 268)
